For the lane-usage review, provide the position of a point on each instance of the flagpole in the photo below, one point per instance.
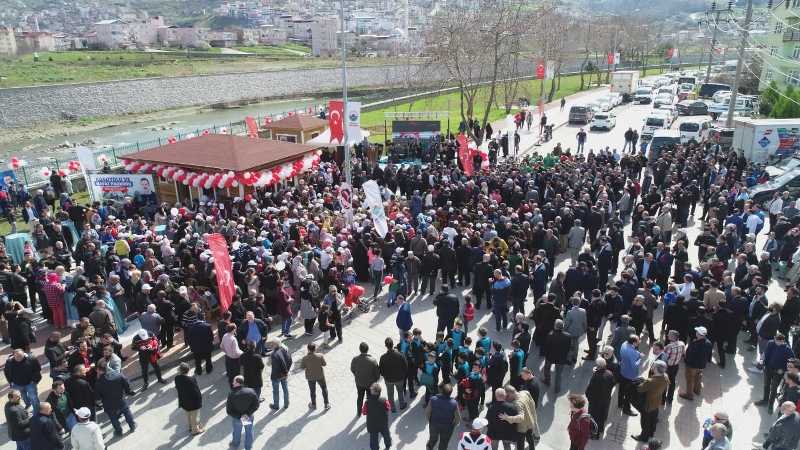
(348, 168)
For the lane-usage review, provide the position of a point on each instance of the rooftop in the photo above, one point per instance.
(298, 122)
(223, 152)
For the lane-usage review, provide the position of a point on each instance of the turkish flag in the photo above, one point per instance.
(252, 126)
(610, 58)
(336, 120)
(540, 71)
(464, 154)
(223, 268)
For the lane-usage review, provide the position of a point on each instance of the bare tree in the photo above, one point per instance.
(476, 50)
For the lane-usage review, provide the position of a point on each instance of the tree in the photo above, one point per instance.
(788, 105)
(474, 49)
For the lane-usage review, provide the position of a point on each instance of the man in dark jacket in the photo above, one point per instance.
(447, 309)
(595, 313)
(366, 372)
(443, 416)
(520, 283)
(698, 353)
(544, 317)
(501, 294)
(79, 392)
(429, 270)
(497, 367)
(598, 392)
(241, 404)
(281, 362)
(481, 284)
(556, 351)
(111, 388)
(18, 420)
(393, 368)
(376, 408)
(201, 341)
(44, 430)
(448, 263)
(190, 399)
(499, 429)
(23, 372)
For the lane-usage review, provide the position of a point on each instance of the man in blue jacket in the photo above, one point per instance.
(501, 291)
(776, 355)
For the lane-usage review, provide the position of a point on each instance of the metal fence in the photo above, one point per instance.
(31, 172)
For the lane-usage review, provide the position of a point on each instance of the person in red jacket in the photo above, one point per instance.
(580, 423)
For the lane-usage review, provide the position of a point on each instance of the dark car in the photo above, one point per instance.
(692, 108)
(580, 114)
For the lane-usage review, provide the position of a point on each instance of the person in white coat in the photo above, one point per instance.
(86, 435)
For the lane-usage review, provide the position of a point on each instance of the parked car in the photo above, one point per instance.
(789, 181)
(603, 121)
(695, 129)
(616, 98)
(671, 109)
(692, 108)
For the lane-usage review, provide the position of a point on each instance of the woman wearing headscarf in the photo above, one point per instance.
(54, 292)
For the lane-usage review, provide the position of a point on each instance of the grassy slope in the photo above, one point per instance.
(374, 120)
(86, 66)
(22, 227)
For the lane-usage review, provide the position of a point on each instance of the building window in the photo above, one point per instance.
(778, 27)
(768, 76)
(773, 51)
(793, 78)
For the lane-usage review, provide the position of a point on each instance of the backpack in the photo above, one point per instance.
(595, 430)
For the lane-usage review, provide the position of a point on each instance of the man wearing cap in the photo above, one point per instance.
(475, 439)
(146, 344)
(698, 353)
(653, 389)
(86, 434)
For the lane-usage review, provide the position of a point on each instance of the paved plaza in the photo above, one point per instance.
(163, 426)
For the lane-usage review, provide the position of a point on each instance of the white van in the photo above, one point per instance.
(695, 128)
(661, 138)
(654, 122)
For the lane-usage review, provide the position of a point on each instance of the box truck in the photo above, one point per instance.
(625, 82)
(760, 140)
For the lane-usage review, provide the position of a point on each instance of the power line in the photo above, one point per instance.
(770, 87)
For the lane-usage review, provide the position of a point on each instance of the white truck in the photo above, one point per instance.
(625, 82)
(760, 140)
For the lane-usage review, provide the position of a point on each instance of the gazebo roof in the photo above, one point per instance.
(223, 152)
(299, 122)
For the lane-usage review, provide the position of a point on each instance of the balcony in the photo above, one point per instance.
(791, 36)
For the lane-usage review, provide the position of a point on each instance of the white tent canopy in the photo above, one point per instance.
(324, 139)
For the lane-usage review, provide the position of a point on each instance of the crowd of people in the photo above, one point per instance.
(482, 244)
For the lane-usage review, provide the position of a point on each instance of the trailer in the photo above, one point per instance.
(625, 82)
(760, 140)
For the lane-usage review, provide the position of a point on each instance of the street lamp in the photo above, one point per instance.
(348, 166)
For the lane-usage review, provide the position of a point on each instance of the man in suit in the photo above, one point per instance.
(556, 349)
(646, 269)
(575, 324)
(653, 389)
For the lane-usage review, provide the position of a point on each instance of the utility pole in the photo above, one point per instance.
(348, 166)
(748, 16)
(716, 12)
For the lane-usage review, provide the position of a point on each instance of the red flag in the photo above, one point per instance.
(610, 58)
(252, 126)
(222, 266)
(540, 71)
(335, 122)
(464, 154)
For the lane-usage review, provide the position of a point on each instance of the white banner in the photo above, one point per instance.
(118, 186)
(345, 200)
(374, 202)
(550, 70)
(353, 122)
(86, 158)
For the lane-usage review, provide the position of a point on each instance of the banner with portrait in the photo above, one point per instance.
(118, 186)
